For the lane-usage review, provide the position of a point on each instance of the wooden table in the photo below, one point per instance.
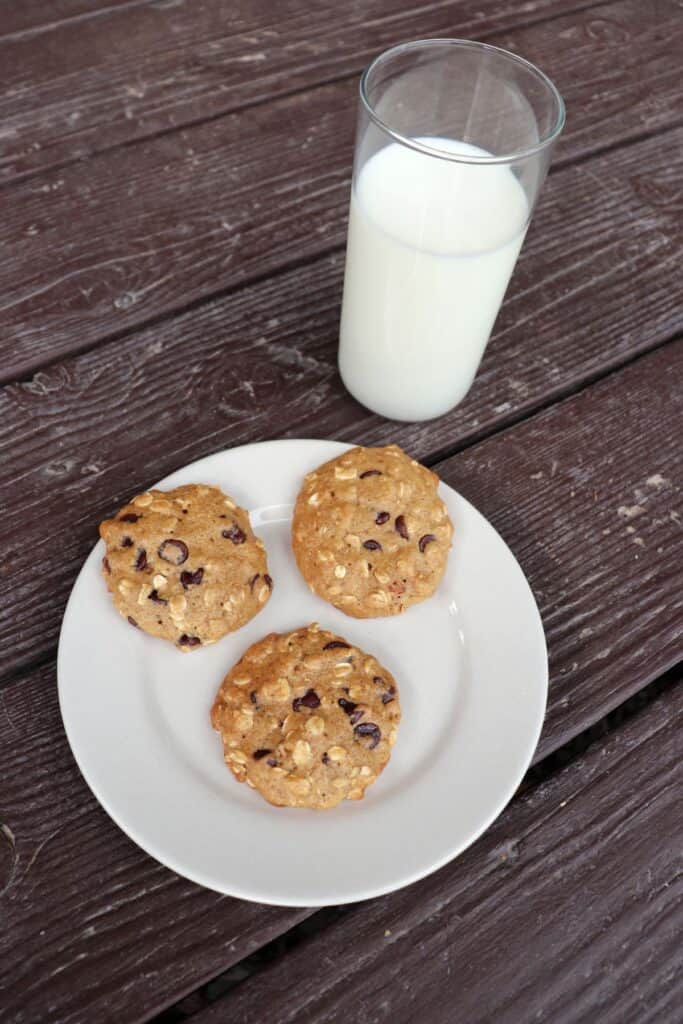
(175, 179)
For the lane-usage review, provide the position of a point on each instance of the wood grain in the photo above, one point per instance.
(92, 928)
(589, 495)
(611, 601)
(98, 247)
(586, 866)
(567, 910)
(100, 78)
(34, 17)
(594, 287)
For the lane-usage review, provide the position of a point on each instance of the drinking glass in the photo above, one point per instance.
(453, 144)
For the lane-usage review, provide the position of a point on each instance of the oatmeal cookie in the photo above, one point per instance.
(370, 533)
(185, 565)
(307, 719)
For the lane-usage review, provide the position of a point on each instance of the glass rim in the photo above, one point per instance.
(420, 147)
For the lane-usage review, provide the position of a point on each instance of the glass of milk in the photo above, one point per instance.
(453, 144)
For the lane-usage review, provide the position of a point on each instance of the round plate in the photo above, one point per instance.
(470, 662)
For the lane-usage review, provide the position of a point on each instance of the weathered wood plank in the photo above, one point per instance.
(595, 286)
(36, 16)
(567, 910)
(104, 77)
(564, 500)
(589, 494)
(608, 40)
(92, 928)
(101, 246)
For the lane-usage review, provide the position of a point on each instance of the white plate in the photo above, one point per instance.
(470, 662)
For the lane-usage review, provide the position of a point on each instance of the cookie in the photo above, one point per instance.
(185, 565)
(370, 533)
(307, 718)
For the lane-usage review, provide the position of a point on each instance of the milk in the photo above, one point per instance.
(431, 247)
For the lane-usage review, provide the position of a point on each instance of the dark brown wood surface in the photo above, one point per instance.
(175, 180)
(98, 247)
(35, 17)
(141, 68)
(589, 495)
(91, 926)
(570, 511)
(209, 378)
(568, 910)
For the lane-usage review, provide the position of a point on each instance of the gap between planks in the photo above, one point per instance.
(439, 456)
(167, 317)
(294, 264)
(612, 147)
(155, 294)
(625, 662)
(57, 165)
(551, 398)
(213, 990)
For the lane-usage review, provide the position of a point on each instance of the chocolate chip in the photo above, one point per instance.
(356, 716)
(261, 752)
(381, 518)
(234, 534)
(309, 700)
(154, 596)
(127, 542)
(141, 560)
(252, 697)
(370, 472)
(133, 622)
(387, 698)
(426, 539)
(325, 759)
(189, 579)
(372, 545)
(347, 706)
(371, 730)
(174, 551)
(272, 761)
(378, 681)
(268, 580)
(401, 527)
(189, 641)
(129, 517)
(105, 564)
(184, 511)
(336, 643)
(253, 579)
